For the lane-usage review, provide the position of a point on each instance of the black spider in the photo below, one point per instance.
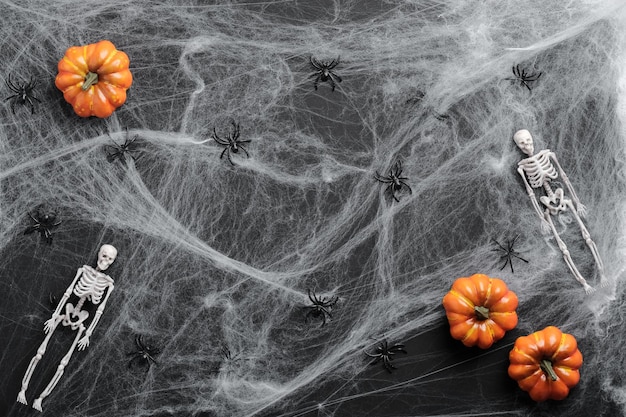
(144, 352)
(228, 356)
(231, 361)
(44, 220)
(324, 72)
(523, 77)
(321, 307)
(117, 151)
(232, 143)
(394, 180)
(385, 353)
(23, 93)
(508, 252)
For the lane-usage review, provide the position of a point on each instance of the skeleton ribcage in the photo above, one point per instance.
(91, 285)
(539, 169)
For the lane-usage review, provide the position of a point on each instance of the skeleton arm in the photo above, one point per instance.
(84, 342)
(51, 323)
(530, 192)
(582, 211)
(545, 226)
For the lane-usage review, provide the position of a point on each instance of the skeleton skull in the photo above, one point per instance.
(106, 256)
(524, 141)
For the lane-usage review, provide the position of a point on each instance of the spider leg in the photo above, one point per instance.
(519, 257)
(387, 364)
(229, 157)
(113, 156)
(236, 128)
(407, 186)
(33, 217)
(392, 191)
(11, 85)
(323, 319)
(32, 106)
(333, 75)
(508, 260)
(133, 157)
(244, 149)
(219, 140)
(332, 83)
(498, 243)
(224, 151)
(526, 85)
(150, 358)
(315, 63)
(326, 312)
(139, 342)
(310, 298)
(312, 312)
(382, 179)
(317, 80)
(372, 355)
(532, 77)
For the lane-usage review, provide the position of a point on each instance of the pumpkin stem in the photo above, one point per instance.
(546, 366)
(90, 79)
(482, 313)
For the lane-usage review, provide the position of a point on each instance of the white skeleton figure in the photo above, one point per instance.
(89, 284)
(537, 171)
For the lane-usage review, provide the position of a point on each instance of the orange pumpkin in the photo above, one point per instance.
(94, 78)
(546, 364)
(480, 310)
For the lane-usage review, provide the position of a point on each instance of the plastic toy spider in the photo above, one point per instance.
(117, 151)
(523, 77)
(228, 355)
(385, 353)
(321, 307)
(509, 252)
(44, 220)
(144, 352)
(232, 143)
(394, 180)
(23, 93)
(324, 72)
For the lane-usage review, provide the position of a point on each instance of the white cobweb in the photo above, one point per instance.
(215, 257)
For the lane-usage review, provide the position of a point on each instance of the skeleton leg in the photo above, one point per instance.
(591, 244)
(59, 372)
(21, 397)
(566, 255)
